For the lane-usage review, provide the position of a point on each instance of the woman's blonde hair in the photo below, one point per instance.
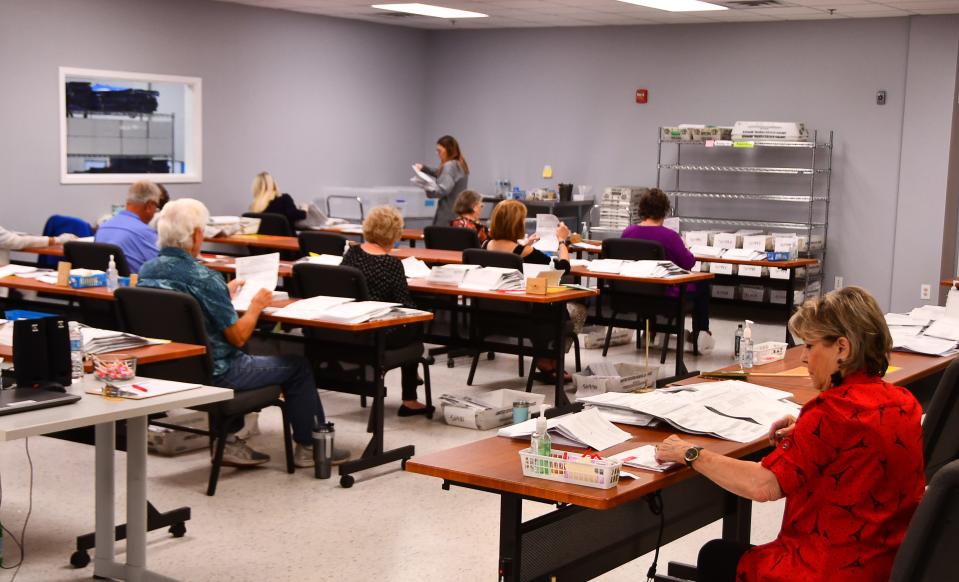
(508, 221)
(852, 313)
(383, 226)
(264, 191)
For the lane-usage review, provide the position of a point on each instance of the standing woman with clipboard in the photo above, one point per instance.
(451, 178)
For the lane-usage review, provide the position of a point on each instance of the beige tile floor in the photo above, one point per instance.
(266, 525)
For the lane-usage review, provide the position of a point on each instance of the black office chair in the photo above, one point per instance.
(272, 224)
(940, 429)
(513, 319)
(322, 243)
(927, 553)
(643, 299)
(344, 354)
(450, 238)
(94, 255)
(176, 316)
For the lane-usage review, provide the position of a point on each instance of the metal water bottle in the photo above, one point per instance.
(323, 450)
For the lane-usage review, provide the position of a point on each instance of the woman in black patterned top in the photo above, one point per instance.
(386, 281)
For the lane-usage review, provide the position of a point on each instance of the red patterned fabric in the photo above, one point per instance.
(852, 472)
(481, 233)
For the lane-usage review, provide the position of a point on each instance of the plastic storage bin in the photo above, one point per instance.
(574, 468)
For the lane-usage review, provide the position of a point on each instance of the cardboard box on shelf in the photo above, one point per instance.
(500, 412)
(723, 268)
(777, 273)
(754, 293)
(594, 336)
(727, 240)
(723, 291)
(758, 242)
(752, 271)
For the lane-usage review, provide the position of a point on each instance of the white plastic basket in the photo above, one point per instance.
(768, 352)
(572, 468)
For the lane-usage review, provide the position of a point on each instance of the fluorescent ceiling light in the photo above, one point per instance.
(430, 10)
(677, 5)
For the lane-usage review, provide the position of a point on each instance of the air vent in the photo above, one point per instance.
(741, 4)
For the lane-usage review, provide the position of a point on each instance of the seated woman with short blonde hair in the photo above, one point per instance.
(386, 281)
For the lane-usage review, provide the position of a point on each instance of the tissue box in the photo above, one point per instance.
(630, 377)
(500, 414)
(168, 441)
(92, 280)
(594, 337)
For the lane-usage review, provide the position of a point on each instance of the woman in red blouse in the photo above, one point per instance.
(850, 467)
(468, 207)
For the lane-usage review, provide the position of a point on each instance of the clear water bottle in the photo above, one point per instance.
(76, 351)
(738, 340)
(746, 347)
(113, 277)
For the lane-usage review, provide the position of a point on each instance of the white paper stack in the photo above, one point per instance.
(100, 341)
(8, 270)
(744, 255)
(332, 260)
(257, 272)
(415, 268)
(583, 429)
(606, 266)
(546, 225)
(654, 269)
(706, 251)
(449, 274)
(493, 279)
(357, 312)
(311, 308)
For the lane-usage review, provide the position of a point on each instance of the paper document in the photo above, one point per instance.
(922, 344)
(415, 268)
(903, 319)
(257, 272)
(423, 179)
(583, 429)
(7, 270)
(546, 225)
(493, 278)
(706, 251)
(316, 259)
(588, 247)
(100, 341)
(945, 328)
(357, 312)
(449, 274)
(643, 457)
(952, 303)
(606, 266)
(744, 255)
(140, 388)
(532, 270)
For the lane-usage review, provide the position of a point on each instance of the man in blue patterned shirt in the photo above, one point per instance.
(181, 235)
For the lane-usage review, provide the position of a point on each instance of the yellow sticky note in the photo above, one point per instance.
(547, 172)
(743, 144)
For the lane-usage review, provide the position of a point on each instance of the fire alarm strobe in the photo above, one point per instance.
(642, 95)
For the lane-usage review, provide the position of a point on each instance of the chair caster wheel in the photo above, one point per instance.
(80, 559)
(450, 363)
(178, 530)
(346, 481)
(490, 355)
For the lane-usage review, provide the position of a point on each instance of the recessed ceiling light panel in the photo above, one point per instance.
(430, 10)
(677, 5)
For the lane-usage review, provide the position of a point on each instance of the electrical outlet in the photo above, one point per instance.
(925, 291)
(838, 284)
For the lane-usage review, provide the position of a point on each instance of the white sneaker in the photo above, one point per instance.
(239, 454)
(303, 456)
(251, 426)
(705, 343)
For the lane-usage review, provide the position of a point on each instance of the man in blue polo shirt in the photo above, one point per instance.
(130, 230)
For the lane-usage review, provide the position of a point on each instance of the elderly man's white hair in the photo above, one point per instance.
(142, 192)
(179, 219)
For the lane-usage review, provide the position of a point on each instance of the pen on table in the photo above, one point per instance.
(138, 387)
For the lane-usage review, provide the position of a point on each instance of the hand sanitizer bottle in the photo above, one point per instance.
(540, 442)
(113, 278)
(746, 347)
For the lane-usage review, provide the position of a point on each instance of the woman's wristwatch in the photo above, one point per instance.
(691, 454)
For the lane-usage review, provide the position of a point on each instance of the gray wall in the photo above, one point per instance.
(519, 99)
(314, 100)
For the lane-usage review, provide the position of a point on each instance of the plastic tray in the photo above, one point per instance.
(768, 352)
(572, 468)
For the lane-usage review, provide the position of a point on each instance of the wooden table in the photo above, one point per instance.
(151, 354)
(599, 530)
(291, 243)
(554, 303)
(374, 454)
